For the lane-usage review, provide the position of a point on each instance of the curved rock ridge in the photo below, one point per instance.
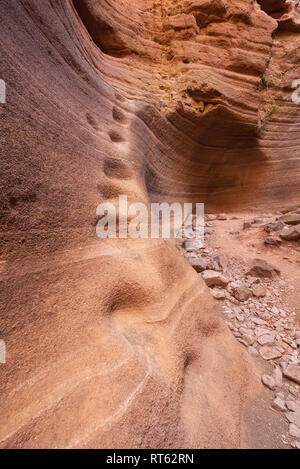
(117, 343)
(219, 74)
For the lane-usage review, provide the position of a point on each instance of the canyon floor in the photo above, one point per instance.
(266, 321)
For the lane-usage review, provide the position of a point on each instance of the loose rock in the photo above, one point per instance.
(199, 264)
(278, 404)
(213, 278)
(259, 291)
(242, 293)
(219, 294)
(290, 233)
(268, 381)
(269, 353)
(290, 219)
(266, 339)
(294, 430)
(292, 372)
(261, 268)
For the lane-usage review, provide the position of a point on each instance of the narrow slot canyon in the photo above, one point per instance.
(149, 343)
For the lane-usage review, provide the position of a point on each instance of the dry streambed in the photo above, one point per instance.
(255, 301)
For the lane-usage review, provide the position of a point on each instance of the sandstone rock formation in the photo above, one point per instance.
(117, 343)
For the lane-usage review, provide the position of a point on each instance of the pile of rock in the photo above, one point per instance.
(284, 227)
(255, 312)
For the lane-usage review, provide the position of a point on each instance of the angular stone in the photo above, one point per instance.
(292, 372)
(278, 404)
(294, 430)
(259, 291)
(242, 293)
(277, 376)
(294, 417)
(269, 353)
(259, 322)
(290, 233)
(220, 294)
(290, 219)
(268, 381)
(266, 339)
(222, 261)
(291, 405)
(276, 226)
(272, 241)
(221, 216)
(213, 265)
(249, 338)
(252, 350)
(213, 278)
(261, 331)
(261, 268)
(199, 264)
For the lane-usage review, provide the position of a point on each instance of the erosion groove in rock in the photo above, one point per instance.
(118, 344)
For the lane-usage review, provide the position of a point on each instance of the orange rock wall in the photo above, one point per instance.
(117, 344)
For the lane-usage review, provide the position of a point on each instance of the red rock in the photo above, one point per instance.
(290, 219)
(269, 353)
(290, 234)
(199, 264)
(266, 339)
(261, 268)
(213, 278)
(269, 382)
(294, 430)
(259, 290)
(292, 372)
(272, 241)
(279, 404)
(241, 293)
(123, 97)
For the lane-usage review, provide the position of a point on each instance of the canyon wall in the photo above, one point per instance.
(117, 343)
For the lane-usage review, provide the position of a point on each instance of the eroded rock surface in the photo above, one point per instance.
(118, 344)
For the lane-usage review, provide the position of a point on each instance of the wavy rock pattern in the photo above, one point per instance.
(117, 344)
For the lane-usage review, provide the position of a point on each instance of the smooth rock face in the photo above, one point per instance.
(111, 344)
